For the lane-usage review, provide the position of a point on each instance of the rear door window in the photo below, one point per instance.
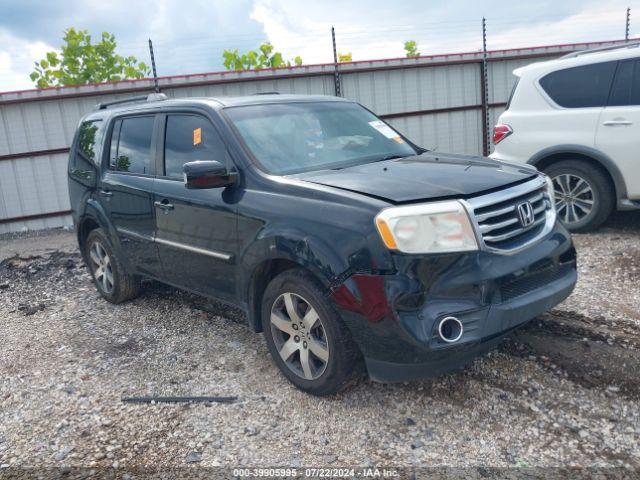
(626, 86)
(580, 87)
(131, 144)
(189, 138)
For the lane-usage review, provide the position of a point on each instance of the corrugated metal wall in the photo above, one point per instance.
(436, 101)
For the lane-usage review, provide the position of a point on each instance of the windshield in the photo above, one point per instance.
(298, 137)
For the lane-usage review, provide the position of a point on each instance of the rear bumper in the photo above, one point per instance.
(394, 318)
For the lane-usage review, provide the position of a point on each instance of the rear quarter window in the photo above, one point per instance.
(89, 141)
(513, 92)
(626, 86)
(580, 87)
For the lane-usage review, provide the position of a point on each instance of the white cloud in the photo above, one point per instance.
(592, 24)
(17, 58)
(190, 38)
(303, 28)
(293, 32)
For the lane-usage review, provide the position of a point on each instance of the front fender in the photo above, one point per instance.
(312, 253)
(331, 263)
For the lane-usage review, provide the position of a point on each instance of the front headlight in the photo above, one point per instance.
(427, 228)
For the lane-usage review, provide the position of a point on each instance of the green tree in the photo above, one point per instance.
(345, 57)
(411, 47)
(123, 163)
(265, 57)
(81, 62)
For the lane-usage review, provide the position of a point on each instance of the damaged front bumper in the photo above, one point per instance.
(394, 318)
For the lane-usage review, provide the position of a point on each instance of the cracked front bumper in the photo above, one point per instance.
(394, 318)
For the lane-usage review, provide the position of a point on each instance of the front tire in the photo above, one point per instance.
(306, 337)
(584, 194)
(107, 272)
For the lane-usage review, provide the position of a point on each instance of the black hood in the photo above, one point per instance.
(427, 176)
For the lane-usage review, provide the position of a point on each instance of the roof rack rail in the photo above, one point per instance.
(268, 93)
(618, 46)
(141, 98)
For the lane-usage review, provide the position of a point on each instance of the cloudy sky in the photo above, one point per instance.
(189, 36)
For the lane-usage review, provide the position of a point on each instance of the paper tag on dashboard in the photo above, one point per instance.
(386, 130)
(197, 136)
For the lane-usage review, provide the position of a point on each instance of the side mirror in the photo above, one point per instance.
(207, 174)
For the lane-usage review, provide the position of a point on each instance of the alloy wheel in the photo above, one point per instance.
(102, 270)
(574, 197)
(299, 336)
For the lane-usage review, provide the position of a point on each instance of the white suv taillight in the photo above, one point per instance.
(500, 132)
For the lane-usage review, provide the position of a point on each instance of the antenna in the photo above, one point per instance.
(153, 66)
(336, 72)
(628, 24)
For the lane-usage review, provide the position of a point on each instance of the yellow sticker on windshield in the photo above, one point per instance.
(197, 136)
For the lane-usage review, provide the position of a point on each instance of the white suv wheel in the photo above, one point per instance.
(574, 197)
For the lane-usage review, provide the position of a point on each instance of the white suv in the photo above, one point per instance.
(577, 118)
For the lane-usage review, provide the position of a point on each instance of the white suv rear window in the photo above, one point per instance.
(580, 87)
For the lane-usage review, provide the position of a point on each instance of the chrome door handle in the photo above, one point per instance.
(106, 193)
(163, 206)
(614, 123)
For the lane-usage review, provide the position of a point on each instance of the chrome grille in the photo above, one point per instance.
(497, 220)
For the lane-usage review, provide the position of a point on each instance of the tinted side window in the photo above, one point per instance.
(89, 140)
(131, 145)
(189, 138)
(626, 86)
(580, 87)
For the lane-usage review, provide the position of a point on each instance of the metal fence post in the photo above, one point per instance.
(336, 72)
(484, 91)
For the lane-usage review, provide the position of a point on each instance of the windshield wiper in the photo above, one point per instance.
(391, 157)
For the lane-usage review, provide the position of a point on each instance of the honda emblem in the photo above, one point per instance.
(525, 214)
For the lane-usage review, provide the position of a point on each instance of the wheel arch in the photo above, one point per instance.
(260, 277)
(94, 217)
(598, 159)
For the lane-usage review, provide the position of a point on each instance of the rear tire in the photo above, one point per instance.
(107, 272)
(584, 194)
(301, 326)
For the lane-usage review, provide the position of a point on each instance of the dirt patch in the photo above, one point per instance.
(628, 262)
(38, 265)
(588, 357)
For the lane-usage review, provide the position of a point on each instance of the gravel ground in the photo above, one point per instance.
(562, 391)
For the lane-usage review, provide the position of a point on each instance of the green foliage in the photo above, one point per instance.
(411, 47)
(123, 163)
(345, 57)
(82, 62)
(87, 140)
(265, 57)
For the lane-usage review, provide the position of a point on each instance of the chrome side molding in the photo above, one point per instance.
(182, 246)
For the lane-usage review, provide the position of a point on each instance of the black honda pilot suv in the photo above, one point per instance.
(346, 244)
